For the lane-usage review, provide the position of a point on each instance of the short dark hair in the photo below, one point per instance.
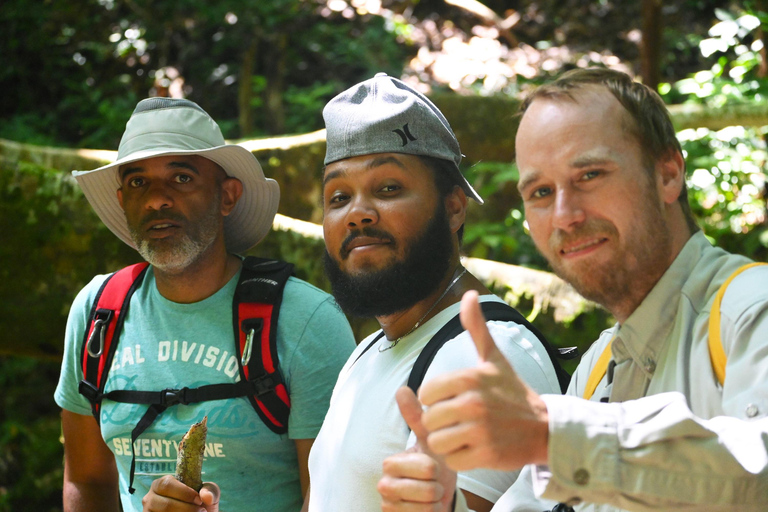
(446, 179)
(648, 120)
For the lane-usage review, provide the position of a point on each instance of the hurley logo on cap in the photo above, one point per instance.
(405, 134)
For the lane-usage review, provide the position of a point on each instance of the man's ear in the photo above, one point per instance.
(120, 197)
(231, 190)
(456, 208)
(670, 170)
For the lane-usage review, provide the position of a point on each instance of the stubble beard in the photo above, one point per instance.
(620, 284)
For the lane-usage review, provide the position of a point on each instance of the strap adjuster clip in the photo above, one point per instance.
(263, 385)
(170, 397)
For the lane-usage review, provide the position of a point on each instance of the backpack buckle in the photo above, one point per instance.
(169, 397)
(89, 391)
(101, 321)
(263, 385)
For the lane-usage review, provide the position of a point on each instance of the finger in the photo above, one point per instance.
(418, 466)
(169, 487)
(452, 439)
(402, 506)
(410, 490)
(473, 321)
(461, 408)
(210, 494)
(446, 387)
(410, 409)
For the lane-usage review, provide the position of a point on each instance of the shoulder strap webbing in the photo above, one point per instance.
(716, 353)
(256, 309)
(105, 322)
(598, 371)
(492, 311)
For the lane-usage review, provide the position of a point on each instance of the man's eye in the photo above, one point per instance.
(337, 198)
(183, 178)
(541, 192)
(390, 188)
(135, 182)
(590, 175)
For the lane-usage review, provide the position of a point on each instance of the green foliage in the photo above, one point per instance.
(726, 180)
(505, 239)
(73, 71)
(31, 472)
(57, 245)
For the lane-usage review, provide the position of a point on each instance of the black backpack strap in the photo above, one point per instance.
(492, 310)
(255, 314)
(102, 334)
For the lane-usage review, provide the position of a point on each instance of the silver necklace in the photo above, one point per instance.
(417, 324)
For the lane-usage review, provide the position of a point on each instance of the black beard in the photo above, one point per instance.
(402, 284)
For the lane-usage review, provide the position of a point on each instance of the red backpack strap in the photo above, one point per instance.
(256, 309)
(104, 325)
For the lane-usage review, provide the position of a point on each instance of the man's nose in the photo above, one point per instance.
(568, 210)
(158, 197)
(361, 213)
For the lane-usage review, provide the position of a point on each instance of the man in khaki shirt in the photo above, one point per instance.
(676, 418)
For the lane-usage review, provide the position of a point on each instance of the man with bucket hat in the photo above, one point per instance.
(189, 203)
(394, 208)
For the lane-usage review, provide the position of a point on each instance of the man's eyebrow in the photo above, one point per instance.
(383, 160)
(172, 165)
(578, 163)
(376, 162)
(128, 170)
(333, 175)
(589, 160)
(525, 182)
(183, 165)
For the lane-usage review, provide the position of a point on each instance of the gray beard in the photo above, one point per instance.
(178, 257)
(193, 244)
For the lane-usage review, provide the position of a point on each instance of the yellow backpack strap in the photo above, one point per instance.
(598, 371)
(716, 352)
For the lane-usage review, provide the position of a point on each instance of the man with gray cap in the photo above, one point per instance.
(189, 203)
(394, 209)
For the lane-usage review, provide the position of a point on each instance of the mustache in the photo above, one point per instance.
(592, 227)
(368, 232)
(162, 215)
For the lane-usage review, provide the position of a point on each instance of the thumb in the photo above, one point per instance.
(410, 409)
(210, 494)
(473, 321)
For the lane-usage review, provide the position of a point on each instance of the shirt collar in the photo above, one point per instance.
(643, 335)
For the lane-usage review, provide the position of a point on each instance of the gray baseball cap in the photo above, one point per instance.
(384, 115)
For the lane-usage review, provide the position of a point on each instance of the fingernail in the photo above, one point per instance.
(198, 501)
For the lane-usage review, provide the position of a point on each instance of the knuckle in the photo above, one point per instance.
(431, 469)
(469, 379)
(385, 486)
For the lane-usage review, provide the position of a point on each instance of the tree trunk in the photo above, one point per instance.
(273, 93)
(245, 89)
(650, 47)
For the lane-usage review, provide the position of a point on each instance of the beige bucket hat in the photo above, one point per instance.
(166, 126)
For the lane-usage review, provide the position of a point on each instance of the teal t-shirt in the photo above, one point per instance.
(169, 345)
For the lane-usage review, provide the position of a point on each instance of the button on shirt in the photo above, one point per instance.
(670, 436)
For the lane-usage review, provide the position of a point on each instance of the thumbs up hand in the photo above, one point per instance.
(484, 416)
(415, 480)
